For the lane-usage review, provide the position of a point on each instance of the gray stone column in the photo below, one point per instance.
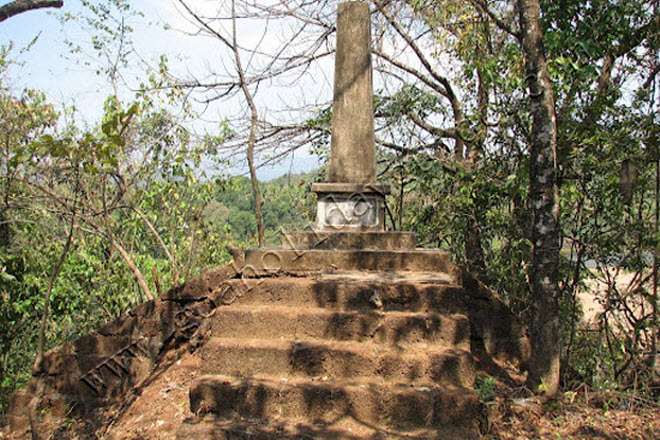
(351, 200)
(352, 151)
(350, 212)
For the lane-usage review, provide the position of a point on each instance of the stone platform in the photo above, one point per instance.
(265, 261)
(360, 354)
(365, 241)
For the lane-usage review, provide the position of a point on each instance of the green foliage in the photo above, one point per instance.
(288, 204)
(137, 167)
(608, 160)
(485, 388)
(443, 204)
(475, 204)
(133, 188)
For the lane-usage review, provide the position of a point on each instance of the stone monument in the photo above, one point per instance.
(349, 233)
(351, 199)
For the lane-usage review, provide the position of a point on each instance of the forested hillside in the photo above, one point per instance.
(288, 204)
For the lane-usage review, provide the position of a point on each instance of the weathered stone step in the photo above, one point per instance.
(214, 428)
(246, 429)
(395, 407)
(344, 295)
(294, 323)
(274, 260)
(335, 359)
(390, 240)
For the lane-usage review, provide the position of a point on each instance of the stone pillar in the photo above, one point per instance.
(352, 151)
(351, 199)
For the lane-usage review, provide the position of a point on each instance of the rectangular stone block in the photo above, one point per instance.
(350, 188)
(340, 212)
(348, 240)
(352, 147)
(350, 206)
(273, 260)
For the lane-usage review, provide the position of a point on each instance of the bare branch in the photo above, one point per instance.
(498, 21)
(436, 131)
(205, 25)
(416, 73)
(19, 6)
(449, 93)
(447, 88)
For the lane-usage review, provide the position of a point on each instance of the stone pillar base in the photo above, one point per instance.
(350, 206)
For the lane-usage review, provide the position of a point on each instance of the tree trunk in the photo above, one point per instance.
(38, 363)
(254, 116)
(656, 262)
(544, 367)
(168, 254)
(474, 253)
(4, 229)
(134, 269)
(254, 120)
(253, 178)
(19, 6)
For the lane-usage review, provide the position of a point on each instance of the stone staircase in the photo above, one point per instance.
(345, 352)
(329, 344)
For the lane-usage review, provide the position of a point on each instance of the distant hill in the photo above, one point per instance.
(288, 203)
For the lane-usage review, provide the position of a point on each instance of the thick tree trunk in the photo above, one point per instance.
(474, 254)
(19, 6)
(544, 365)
